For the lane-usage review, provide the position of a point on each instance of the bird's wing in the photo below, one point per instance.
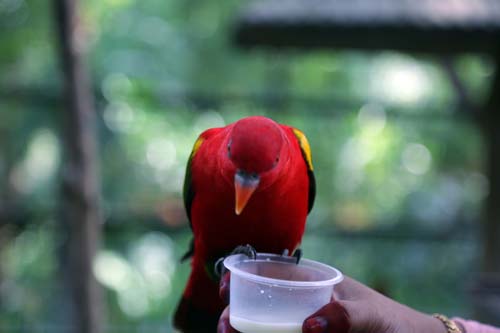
(306, 154)
(188, 189)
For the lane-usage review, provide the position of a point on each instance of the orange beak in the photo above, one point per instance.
(244, 186)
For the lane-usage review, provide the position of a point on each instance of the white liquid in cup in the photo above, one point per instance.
(253, 326)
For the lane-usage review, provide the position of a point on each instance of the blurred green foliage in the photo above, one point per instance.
(399, 170)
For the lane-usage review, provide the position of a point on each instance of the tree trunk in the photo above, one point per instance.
(80, 184)
(488, 297)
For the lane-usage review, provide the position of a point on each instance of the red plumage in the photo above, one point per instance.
(275, 156)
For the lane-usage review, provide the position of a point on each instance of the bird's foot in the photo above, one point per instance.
(219, 268)
(297, 254)
(247, 250)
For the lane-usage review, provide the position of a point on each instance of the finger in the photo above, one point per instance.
(224, 287)
(331, 318)
(224, 326)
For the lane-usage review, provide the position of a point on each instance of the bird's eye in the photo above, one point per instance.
(229, 149)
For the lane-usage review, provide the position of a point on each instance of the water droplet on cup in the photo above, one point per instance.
(261, 291)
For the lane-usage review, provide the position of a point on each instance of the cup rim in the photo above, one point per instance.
(231, 261)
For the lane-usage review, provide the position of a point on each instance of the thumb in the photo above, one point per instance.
(332, 317)
(364, 317)
(343, 317)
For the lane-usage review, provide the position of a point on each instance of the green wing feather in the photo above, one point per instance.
(188, 193)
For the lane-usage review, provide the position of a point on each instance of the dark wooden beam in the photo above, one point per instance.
(312, 36)
(445, 26)
(80, 189)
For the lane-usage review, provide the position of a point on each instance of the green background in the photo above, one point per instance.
(400, 171)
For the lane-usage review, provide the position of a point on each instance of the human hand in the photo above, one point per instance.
(354, 308)
(224, 326)
(358, 308)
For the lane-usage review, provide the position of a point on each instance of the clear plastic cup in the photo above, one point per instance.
(273, 294)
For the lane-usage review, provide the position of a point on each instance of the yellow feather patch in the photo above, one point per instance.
(197, 145)
(304, 146)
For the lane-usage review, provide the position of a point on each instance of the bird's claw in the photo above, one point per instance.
(219, 268)
(297, 254)
(247, 250)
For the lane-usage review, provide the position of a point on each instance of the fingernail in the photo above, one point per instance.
(315, 325)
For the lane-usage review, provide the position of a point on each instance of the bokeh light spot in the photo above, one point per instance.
(119, 116)
(372, 117)
(40, 162)
(416, 158)
(133, 302)
(354, 154)
(161, 154)
(153, 257)
(112, 270)
(116, 86)
(400, 80)
(207, 120)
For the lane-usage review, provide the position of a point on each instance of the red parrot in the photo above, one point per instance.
(250, 182)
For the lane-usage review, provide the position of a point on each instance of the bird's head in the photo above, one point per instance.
(254, 148)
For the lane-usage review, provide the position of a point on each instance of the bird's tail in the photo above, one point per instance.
(200, 306)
